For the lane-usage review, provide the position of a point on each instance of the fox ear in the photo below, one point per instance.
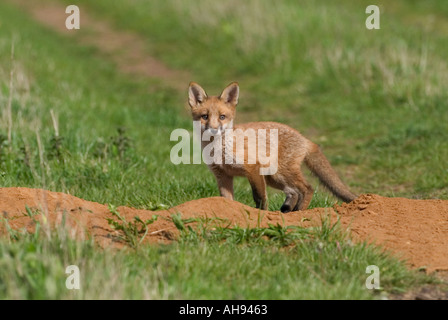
(196, 95)
(231, 93)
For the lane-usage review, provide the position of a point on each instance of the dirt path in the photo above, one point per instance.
(126, 49)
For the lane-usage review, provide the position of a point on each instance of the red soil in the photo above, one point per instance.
(415, 230)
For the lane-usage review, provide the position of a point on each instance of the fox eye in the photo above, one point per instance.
(204, 116)
(222, 117)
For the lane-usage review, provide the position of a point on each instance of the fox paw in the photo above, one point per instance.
(285, 208)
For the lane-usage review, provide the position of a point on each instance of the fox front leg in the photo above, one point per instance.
(258, 185)
(225, 184)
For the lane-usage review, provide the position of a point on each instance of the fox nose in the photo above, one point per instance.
(214, 131)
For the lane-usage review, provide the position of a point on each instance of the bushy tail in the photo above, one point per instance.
(319, 165)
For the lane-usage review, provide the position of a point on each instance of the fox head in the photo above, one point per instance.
(215, 112)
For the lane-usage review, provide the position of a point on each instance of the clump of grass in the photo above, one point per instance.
(121, 143)
(56, 147)
(26, 157)
(12, 233)
(118, 147)
(154, 206)
(56, 140)
(3, 143)
(133, 232)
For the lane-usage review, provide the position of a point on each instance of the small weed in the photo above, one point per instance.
(118, 146)
(14, 235)
(100, 149)
(181, 223)
(3, 143)
(121, 143)
(24, 150)
(56, 147)
(157, 206)
(31, 214)
(133, 232)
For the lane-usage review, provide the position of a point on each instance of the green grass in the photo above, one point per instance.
(206, 264)
(375, 100)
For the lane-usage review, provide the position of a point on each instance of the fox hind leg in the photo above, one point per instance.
(291, 192)
(297, 190)
(292, 197)
(306, 193)
(298, 195)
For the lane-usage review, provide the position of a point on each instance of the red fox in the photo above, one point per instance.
(216, 114)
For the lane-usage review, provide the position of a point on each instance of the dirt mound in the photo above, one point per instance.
(416, 230)
(86, 218)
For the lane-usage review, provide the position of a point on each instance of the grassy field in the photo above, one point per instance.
(70, 122)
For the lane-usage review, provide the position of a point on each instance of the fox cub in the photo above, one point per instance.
(216, 115)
